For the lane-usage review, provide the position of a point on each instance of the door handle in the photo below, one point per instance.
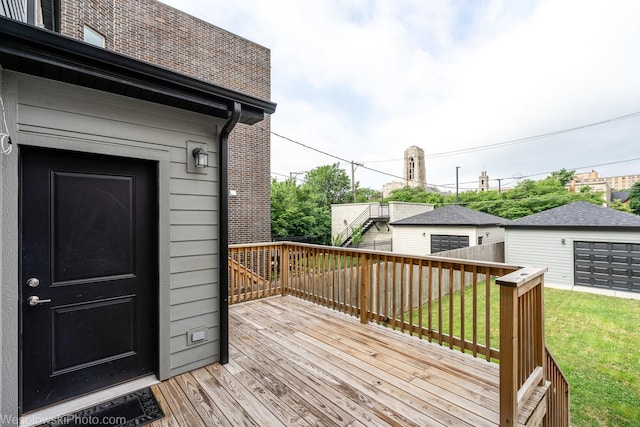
(34, 300)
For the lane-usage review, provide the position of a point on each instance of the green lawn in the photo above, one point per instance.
(596, 341)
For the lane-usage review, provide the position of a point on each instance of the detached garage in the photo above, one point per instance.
(444, 229)
(582, 244)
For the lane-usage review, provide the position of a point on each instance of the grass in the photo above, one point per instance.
(595, 340)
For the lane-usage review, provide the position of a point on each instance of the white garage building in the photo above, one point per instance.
(582, 244)
(445, 228)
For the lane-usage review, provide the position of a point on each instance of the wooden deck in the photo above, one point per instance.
(296, 363)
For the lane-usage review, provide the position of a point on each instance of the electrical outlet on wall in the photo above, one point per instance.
(197, 336)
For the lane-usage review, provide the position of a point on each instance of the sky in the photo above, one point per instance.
(365, 79)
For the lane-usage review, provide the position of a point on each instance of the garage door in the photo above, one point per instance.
(444, 242)
(607, 265)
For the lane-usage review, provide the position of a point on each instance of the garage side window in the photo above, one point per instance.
(446, 242)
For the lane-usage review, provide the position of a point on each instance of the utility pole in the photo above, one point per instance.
(293, 176)
(457, 196)
(499, 187)
(354, 165)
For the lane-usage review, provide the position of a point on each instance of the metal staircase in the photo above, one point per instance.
(366, 219)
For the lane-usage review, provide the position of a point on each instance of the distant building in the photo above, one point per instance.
(593, 182)
(415, 173)
(483, 184)
(622, 182)
(616, 183)
(390, 187)
(374, 218)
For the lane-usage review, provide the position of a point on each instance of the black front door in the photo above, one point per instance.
(88, 227)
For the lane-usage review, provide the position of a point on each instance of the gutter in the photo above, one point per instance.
(223, 177)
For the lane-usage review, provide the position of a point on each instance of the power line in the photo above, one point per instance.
(466, 150)
(615, 162)
(340, 158)
(530, 138)
(519, 140)
(587, 167)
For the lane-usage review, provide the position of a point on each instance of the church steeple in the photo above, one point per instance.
(415, 174)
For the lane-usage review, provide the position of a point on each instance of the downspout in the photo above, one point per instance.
(223, 166)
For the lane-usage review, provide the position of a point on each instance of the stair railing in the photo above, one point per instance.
(344, 236)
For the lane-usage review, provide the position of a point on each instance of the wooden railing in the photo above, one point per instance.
(522, 366)
(443, 300)
(254, 271)
(557, 396)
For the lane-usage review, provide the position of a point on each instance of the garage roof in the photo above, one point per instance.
(578, 215)
(453, 215)
(31, 50)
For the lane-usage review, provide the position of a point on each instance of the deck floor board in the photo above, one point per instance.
(293, 362)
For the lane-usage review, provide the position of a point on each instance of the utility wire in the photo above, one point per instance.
(468, 150)
(519, 140)
(340, 158)
(530, 138)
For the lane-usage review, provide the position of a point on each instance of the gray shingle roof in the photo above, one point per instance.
(579, 214)
(452, 215)
(619, 195)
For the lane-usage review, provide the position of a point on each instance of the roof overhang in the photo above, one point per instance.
(590, 228)
(444, 225)
(34, 51)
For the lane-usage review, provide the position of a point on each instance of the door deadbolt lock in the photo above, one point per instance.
(33, 282)
(34, 300)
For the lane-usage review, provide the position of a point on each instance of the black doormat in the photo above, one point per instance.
(133, 409)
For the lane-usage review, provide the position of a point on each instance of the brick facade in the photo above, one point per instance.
(154, 32)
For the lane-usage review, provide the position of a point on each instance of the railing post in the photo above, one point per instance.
(512, 287)
(508, 354)
(284, 268)
(364, 288)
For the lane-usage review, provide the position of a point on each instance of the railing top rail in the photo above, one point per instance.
(424, 259)
(253, 245)
(555, 362)
(522, 276)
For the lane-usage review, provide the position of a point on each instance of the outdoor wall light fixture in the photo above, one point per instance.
(201, 156)
(345, 222)
(563, 242)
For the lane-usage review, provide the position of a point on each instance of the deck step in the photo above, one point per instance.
(535, 408)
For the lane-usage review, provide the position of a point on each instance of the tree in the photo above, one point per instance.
(564, 176)
(526, 198)
(619, 206)
(305, 210)
(634, 198)
(415, 195)
(293, 212)
(329, 185)
(364, 195)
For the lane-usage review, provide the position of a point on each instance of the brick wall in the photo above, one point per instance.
(159, 34)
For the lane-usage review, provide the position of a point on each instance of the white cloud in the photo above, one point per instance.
(365, 79)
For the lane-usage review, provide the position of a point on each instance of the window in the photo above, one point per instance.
(479, 240)
(412, 166)
(93, 37)
(444, 242)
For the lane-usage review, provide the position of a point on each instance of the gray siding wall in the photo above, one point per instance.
(63, 116)
(544, 248)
